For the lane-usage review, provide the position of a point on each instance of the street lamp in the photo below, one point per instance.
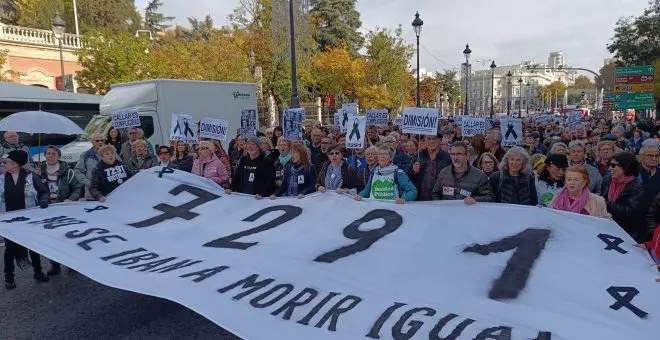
(59, 29)
(508, 93)
(417, 26)
(442, 103)
(527, 100)
(492, 88)
(520, 82)
(295, 102)
(466, 52)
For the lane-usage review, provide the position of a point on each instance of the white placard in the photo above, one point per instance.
(346, 117)
(213, 128)
(183, 128)
(249, 123)
(420, 121)
(473, 126)
(511, 130)
(352, 108)
(127, 118)
(259, 268)
(543, 119)
(356, 132)
(398, 121)
(573, 119)
(377, 117)
(293, 124)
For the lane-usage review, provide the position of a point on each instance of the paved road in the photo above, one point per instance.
(72, 307)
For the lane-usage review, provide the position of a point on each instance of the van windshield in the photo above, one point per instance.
(98, 124)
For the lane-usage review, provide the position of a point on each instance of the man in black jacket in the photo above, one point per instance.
(254, 174)
(427, 165)
(19, 182)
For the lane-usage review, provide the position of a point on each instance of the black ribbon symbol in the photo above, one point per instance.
(177, 127)
(345, 120)
(625, 299)
(98, 207)
(187, 128)
(510, 131)
(355, 130)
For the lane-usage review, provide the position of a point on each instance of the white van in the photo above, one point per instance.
(157, 100)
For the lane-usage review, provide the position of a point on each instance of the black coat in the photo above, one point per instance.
(262, 171)
(185, 163)
(628, 209)
(507, 192)
(442, 160)
(14, 194)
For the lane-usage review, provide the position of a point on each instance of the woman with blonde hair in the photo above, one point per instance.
(575, 196)
(208, 165)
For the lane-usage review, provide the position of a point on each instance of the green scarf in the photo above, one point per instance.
(286, 158)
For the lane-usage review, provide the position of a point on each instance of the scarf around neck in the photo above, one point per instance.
(616, 187)
(388, 170)
(285, 158)
(562, 202)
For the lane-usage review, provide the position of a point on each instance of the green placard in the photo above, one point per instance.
(640, 97)
(633, 105)
(635, 70)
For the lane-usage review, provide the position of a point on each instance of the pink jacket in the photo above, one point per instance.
(213, 170)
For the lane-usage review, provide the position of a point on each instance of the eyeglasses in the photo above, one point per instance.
(334, 153)
(164, 153)
(456, 154)
(614, 165)
(98, 141)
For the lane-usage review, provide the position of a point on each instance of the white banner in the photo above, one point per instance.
(346, 117)
(328, 267)
(473, 126)
(292, 128)
(213, 128)
(249, 123)
(356, 132)
(377, 117)
(126, 118)
(420, 121)
(183, 128)
(511, 130)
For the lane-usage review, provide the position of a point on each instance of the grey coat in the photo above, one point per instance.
(67, 182)
(473, 183)
(148, 163)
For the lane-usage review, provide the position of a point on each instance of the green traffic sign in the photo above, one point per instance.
(635, 70)
(633, 105)
(644, 96)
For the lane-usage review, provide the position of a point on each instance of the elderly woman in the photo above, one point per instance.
(621, 141)
(576, 198)
(577, 157)
(559, 148)
(551, 180)
(624, 194)
(109, 174)
(140, 159)
(514, 183)
(208, 165)
(387, 181)
(487, 163)
(371, 156)
(337, 174)
(636, 140)
(284, 147)
(60, 179)
(270, 152)
(299, 174)
(604, 153)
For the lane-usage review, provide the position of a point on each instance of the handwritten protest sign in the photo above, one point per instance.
(473, 126)
(127, 118)
(213, 128)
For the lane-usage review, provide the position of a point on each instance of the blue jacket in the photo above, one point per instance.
(636, 146)
(407, 189)
(358, 162)
(403, 161)
(305, 188)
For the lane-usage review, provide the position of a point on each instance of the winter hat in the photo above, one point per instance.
(18, 156)
(559, 160)
(254, 139)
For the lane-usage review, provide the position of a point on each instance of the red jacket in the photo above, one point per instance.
(654, 245)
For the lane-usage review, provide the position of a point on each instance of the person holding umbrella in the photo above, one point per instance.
(22, 190)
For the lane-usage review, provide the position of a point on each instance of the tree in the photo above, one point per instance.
(38, 13)
(154, 21)
(606, 79)
(582, 83)
(388, 56)
(553, 92)
(108, 15)
(338, 72)
(9, 12)
(450, 86)
(109, 58)
(335, 22)
(3, 61)
(636, 40)
(428, 88)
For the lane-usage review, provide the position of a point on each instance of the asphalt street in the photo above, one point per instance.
(72, 307)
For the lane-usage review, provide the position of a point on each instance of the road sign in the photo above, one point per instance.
(646, 96)
(634, 79)
(635, 70)
(633, 105)
(627, 88)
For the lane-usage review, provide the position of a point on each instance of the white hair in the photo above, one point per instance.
(516, 151)
(556, 145)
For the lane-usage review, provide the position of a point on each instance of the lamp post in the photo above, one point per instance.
(492, 88)
(417, 26)
(442, 103)
(520, 83)
(527, 100)
(466, 52)
(295, 102)
(59, 29)
(508, 93)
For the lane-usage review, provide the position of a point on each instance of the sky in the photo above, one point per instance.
(508, 31)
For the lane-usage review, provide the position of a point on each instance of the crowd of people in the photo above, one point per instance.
(599, 168)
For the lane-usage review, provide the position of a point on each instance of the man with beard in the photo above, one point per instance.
(254, 174)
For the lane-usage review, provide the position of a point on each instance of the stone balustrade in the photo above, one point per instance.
(37, 37)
